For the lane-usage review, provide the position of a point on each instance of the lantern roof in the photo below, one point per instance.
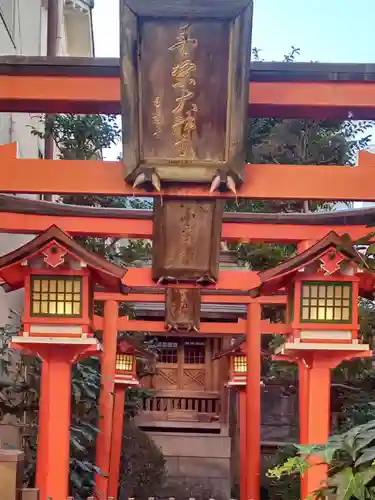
(237, 347)
(12, 265)
(129, 345)
(279, 276)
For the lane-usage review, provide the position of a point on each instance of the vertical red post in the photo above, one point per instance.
(42, 461)
(315, 418)
(253, 408)
(106, 401)
(116, 447)
(303, 399)
(243, 444)
(58, 431)
(53, 454)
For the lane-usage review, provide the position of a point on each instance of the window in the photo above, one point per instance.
(124, 362)
(194, 352)
(56, 296)
(326, 302)
(167, 351)
(240, 364)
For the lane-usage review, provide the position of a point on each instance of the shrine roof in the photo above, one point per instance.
(276, 277)
(106, 273)
(264, 71)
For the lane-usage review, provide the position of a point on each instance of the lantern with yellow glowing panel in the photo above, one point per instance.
(323, 285)
(59, 277)
(126, 370)
(236, 354)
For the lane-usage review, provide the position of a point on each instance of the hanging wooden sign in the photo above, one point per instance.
(185, 72)
(182, 309)
(186, 240)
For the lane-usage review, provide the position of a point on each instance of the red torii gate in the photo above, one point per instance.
(22, 92)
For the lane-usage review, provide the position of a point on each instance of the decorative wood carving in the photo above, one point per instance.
(165, 378)
(193, 378)
(185, 88)
(182, 309)
(54, 255)
(186, 240)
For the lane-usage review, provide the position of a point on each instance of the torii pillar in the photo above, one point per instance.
(253, 403)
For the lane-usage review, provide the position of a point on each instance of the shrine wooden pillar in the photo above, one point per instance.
(253, 403)
(106, 402)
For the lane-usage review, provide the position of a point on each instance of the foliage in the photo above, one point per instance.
(80, 137)
(286, 487)
(351, 460)
(142, 464)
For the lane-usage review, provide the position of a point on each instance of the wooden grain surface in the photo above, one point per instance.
(129, 89)
(186, 239)
(182, 308)
(210, 90)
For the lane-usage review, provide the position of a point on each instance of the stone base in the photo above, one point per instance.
(197, 459)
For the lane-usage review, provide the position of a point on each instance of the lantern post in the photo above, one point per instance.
(237, 379)
(125, 377)
(324, 283)
(58, 276)
(106, 399)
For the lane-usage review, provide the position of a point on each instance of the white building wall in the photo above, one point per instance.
(23, 31)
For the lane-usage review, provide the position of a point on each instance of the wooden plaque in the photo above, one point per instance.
(186, 240)
(182, 309)
(185, 85)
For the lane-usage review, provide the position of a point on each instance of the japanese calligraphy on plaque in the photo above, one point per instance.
(184, 86)
(184, 82)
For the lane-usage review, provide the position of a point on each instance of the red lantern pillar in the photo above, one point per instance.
(243, 444)
(116, 447)
(42, 427)
(126, 376)
(253, 400)
(315, 415)
(53, 455)
(106, 402)
(314, 395)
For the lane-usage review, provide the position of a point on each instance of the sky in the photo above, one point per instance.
(324, 30)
